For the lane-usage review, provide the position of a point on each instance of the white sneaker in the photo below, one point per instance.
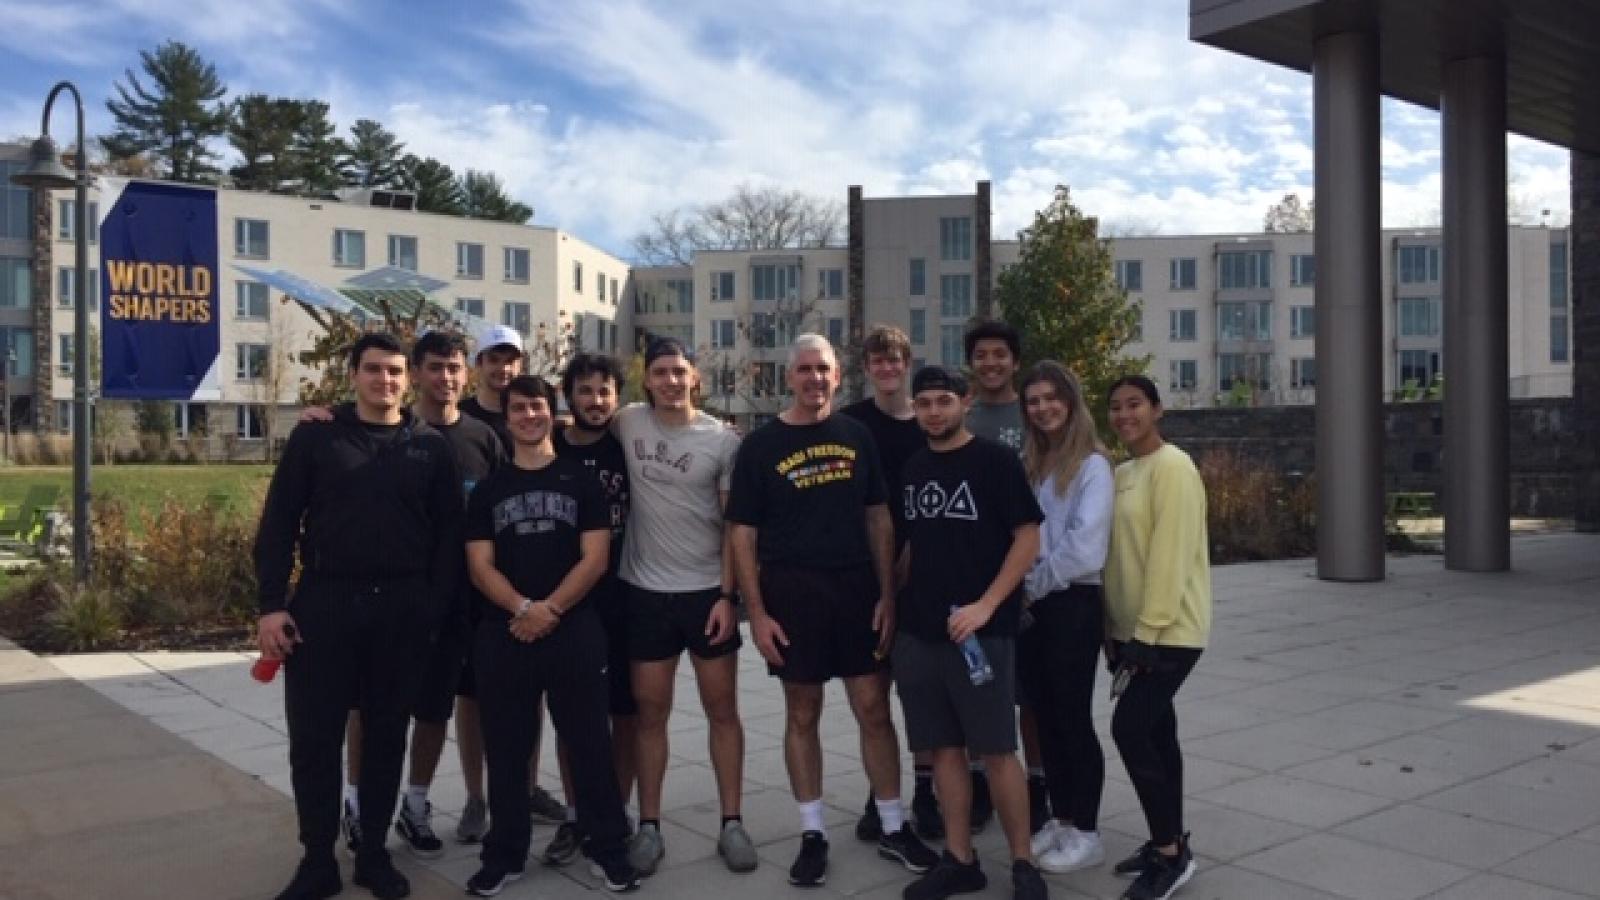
(1048, 837)
(1076, 850)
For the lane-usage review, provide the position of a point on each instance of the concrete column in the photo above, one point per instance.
(1584, 237)
(1349, 309)
(1477, 509)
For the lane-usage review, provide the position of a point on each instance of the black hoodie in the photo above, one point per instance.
(360, 504)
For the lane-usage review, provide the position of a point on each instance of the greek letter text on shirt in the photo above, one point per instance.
(535, 511)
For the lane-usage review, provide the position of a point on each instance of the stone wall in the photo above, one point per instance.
(1544, 446)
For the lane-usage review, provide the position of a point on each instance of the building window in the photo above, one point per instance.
(188, 419)
(1244, 270)
(1181, 325)
(766, 380)
(918, 363)
(614, 291)
(1244, 321)
(600, 286)
(518, 267)
(1136, 334)
(1418, 265)
(774, 282)
(518, 315)
(469, 260)
(251, 362)
(472, 306)
(16, 284)
(919, 277)
(722, 334)
(1303, 372)
(1182, 273)
(16, 203)
(577, 276)
(1419, 317)
(722, 290)
(63, 416)
(1559, 343)
(349, 248)
(1302, 270)
(1130, 275)
(1251, 369)
(680, 292)
(252, 238)
(1418, 368)
(249, 423)
(65, 350)
(955, 296)
(250, 300)
(951, 353)
(1185, 374)
(955, 238)
(919, 326)
(830, 283)
(836, 331)
(18, 344)
(66, 216)
(403, 251)
(67, 283)
(1302, 322)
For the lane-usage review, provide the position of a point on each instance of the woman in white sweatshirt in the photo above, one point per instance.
(1059, 654)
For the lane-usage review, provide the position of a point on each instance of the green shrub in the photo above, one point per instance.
(87, 618)
(1254, 512)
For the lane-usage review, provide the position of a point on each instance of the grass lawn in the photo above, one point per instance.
(143, 488)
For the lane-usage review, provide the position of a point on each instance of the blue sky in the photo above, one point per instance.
(599, 113)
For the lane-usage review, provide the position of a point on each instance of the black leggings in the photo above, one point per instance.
(1145, 728)
(1058, 656)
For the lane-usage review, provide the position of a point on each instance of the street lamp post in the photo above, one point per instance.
(44, 173)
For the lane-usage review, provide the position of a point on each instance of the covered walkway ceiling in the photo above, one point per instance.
(1551, 47)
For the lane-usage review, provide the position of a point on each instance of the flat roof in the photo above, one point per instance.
(1552, 49)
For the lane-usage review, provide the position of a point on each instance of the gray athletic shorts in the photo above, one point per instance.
(943, 708)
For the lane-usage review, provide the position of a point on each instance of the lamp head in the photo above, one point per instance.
(45, 171)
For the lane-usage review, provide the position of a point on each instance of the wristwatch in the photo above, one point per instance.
(522, 610)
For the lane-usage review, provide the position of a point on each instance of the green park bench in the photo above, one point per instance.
(1411, 504)
(22, 523)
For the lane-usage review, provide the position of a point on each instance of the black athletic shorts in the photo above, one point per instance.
(827, 616)
(441, 676)
(943, 708)
(662, 625)
(610, 599)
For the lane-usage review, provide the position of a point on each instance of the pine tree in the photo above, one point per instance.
(484, 197)
(436, 186)
(1062, 295)
(262, 132)
(173, 116)
(372, 156)
(318, 152)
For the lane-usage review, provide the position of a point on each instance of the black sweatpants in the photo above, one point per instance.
(1145, 728)
(359, 645)
(1058, 657)
(569, 665)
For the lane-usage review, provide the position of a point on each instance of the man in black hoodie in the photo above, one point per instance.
(372, 503)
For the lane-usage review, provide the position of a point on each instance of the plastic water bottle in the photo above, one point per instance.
(978, 668)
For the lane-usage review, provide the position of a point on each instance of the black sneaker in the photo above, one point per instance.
(381, 878)
(925, 815)
(1136, 862)
(1162, 878)
(313, 881)
(1026, 883)
(491, 880)
(619, 876)
(417, 831)
(869, 827)
(904, 848)
(350, 824)
(949, 877)
(1038, 804)
(810, 868)
(543, 805)
(564, 846)
(982, 806)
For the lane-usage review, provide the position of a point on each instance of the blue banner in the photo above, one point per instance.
(159, 322)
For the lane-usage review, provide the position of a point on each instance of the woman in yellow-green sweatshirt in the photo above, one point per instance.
(1158, 617)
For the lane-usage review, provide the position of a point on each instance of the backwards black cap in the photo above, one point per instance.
(939, 378)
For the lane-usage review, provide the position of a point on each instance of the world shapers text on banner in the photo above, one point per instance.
(160, 334)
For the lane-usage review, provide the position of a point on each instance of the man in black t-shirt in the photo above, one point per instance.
(972, 529)
(813, 546)
(538, 538)
(592, 384)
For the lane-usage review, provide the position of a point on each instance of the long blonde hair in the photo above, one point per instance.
(1062, 459)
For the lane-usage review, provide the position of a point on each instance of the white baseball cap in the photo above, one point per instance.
(500, 336)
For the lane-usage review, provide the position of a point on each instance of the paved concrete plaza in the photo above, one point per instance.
(1436, 735)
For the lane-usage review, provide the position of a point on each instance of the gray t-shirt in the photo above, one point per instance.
(677, 477)
(999, 422)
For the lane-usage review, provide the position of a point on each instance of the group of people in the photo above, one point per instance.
(968, 546)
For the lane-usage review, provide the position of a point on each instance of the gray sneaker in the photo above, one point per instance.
(736, 848)
(474, 822)
(645, 850)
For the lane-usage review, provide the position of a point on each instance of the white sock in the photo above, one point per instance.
(892, 814)
(352, 796)
(572, 814)
(811, 816)
(976, 765)
(416, 799)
